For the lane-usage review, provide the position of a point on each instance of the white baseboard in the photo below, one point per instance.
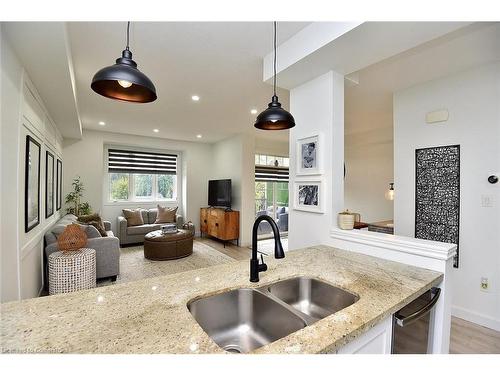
(475, 317)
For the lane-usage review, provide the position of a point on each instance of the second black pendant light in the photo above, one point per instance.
(274, 117)
(123, 81)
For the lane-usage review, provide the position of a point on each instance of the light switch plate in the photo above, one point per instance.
(486, 200)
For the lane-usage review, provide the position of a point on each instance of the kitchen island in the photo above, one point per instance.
(151, 315)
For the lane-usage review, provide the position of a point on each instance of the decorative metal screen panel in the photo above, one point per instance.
(437, 194)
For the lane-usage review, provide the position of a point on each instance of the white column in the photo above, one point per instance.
(318, 109)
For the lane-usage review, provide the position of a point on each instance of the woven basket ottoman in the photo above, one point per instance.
(72, 270)
(159, 246)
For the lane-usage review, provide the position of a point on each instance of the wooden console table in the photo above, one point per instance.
(220, 223)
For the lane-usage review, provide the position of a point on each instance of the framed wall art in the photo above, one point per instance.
(437, 194)
(59, 185)
(309, 155)
(49, 184)
(308, 196)
(31, 184)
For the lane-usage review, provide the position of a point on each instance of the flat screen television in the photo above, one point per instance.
(219, 193)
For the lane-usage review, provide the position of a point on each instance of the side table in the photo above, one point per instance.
(72, 271)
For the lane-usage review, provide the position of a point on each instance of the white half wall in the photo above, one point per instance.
(472, 98)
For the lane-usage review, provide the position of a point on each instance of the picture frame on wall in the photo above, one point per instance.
(309, 155)
(32, 184)
(59, 185)
(49, 184)
(308, 196)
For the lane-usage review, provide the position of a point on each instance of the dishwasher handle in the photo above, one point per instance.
(404, 321)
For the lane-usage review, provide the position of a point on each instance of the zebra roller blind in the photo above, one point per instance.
(126, 161)
(270, 173)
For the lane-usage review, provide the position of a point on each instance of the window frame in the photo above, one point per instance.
(131, 181)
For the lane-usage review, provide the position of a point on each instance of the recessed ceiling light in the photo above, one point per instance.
(199, 136)
(253, 111)
(102, 123)
(156, 130)
(195, 98)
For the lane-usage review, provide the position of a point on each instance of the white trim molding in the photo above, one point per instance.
(414, 246)
(475, 317)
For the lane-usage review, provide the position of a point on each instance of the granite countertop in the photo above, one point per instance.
(151, 315)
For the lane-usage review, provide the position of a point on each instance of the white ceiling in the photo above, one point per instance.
(368, 105)
(219, 61)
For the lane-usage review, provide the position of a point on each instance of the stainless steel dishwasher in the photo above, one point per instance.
(410, 327)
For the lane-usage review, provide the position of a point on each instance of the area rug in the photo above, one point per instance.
(133, 265)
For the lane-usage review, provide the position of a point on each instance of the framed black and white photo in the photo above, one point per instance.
(309, 160)
(308, 196)
(32, 184)
(49, 184)
(59, 185)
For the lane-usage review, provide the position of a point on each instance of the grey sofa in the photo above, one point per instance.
(135, 235)
(107, 248)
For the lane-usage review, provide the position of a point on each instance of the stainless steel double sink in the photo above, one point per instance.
(245, 319)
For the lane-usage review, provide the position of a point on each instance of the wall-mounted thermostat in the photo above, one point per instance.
(437, 116)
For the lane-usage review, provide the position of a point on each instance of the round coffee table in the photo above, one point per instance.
(159, 246)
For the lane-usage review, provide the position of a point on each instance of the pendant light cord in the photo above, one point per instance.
(128, 34)
(274, 84)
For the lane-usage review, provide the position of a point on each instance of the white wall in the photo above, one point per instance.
(270, 146)
(23, 113)
(318, 108)
(473, 101)
(233, 158)
(369, 170)
(12, 73)
(86, 159)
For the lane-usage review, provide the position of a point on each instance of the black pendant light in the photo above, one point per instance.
(123, 81)
(274, 117)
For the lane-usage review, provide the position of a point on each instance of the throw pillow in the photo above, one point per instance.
(166, 215)
(94, 220)
(134, 217)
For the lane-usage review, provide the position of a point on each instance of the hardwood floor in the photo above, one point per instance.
(470, 338)
(466, 337)
(235, 252)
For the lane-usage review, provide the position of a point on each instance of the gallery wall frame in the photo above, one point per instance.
(32, 184)
(59, 184)
(309, 196)
(437, 195)
(49, 184)
(309, 155)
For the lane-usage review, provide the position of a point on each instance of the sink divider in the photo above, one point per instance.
(308, 320)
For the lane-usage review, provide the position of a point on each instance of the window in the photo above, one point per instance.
(166, 186)
(141, 176)
(270, 160)
(118, 186)
(271, 191)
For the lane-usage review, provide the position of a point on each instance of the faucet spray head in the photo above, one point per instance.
(278, 249)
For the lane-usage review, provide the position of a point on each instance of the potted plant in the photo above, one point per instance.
(73, 199)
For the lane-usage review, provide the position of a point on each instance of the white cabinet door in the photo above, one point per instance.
(375, 341)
